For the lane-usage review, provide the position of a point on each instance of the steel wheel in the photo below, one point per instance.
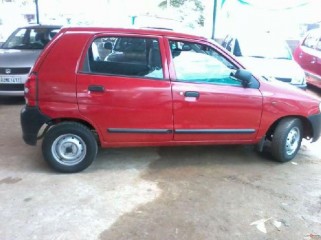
(69, 149)
(293, 140)
(287, 138)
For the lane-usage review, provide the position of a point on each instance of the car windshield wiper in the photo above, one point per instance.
(21, 46)
(282, 58)
(257, 56)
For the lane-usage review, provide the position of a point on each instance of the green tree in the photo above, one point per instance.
(186, 9)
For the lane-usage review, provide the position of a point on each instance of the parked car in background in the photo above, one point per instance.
(18, 54)
(308, 56)
(266, 56)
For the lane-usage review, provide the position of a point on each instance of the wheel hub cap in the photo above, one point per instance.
(292, 140)
(69, 149)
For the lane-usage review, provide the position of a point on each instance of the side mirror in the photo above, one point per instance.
(108, 45)
(243, 76)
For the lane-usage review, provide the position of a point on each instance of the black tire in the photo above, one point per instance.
(287, 139)
(69, 147)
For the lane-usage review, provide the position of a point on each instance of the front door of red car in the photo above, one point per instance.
(123, 90)
(209, 104)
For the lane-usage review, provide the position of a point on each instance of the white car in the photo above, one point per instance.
(266, 56)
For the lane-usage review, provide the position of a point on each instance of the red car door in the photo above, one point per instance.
(304, 54)
(316, 63)
(209, 105)
(308, 55)
(125, 90)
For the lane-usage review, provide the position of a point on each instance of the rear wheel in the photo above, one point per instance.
(69, 147)
(287, 139)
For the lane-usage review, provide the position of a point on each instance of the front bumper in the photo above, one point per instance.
(12, 89)
(315, 121)
(12, 93)
(301, 86)
(31, 121)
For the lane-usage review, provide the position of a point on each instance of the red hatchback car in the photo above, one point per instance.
(308, 56)
(108, 87)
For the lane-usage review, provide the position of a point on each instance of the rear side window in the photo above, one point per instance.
(318, 47)
(125, 56)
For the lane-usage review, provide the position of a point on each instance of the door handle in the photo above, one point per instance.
(96, 88)
(314, 60)
(192, 94)
(300, 55)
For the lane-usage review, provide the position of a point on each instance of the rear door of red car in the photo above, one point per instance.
(125, 91)
(316, 69)
(208, 104)
(304, 54)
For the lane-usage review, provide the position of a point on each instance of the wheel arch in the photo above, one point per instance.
(56, 121)
(306, 124)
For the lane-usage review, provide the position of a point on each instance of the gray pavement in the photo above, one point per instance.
(208, 192)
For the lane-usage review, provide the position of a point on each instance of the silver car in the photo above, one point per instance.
(19, 53)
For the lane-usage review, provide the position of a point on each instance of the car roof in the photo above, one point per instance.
(41, 26)
(263, 37)
(143, 31)
(317, 30)
(254, 35)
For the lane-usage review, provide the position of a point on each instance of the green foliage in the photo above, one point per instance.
(187, 8)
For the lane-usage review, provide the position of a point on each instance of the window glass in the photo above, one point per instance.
(128, 56)
(311, 40)
(318, 47)
(17, 39)
(201, 64)
(30, 38)
(263, 47)
(228, 43)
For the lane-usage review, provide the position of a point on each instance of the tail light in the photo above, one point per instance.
(31, 90)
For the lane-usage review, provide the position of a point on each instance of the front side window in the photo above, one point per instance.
(200, 63)
(126, 56)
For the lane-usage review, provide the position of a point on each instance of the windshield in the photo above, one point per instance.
(30, 38)
(264, 48)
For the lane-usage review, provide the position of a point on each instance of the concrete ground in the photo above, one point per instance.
(212, 192)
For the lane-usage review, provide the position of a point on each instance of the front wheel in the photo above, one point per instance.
(69, 147)
(287, 139)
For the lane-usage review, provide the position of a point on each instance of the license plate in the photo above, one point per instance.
(9, 79)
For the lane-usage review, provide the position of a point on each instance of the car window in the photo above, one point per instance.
(228, 43)
(30, 38)
(263, 47)
(311, 40)
(318, 47)
(16, 40)
(200, 63)
(127, 56)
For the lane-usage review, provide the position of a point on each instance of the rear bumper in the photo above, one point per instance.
(31, 121)
(315, 121)
(313, 79)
